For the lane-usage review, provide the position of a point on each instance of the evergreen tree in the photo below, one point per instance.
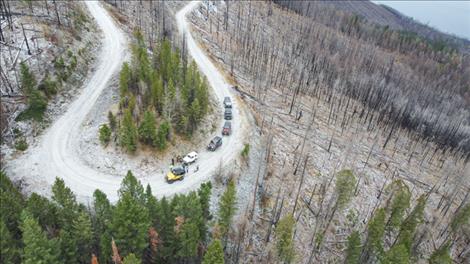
(37, 248)
(400, 202)
(195, 114)
(152, 204)
(353, 252)
(28, 80)
(105, 134)
(148, 129)
(37, 103)
(8, 250)
(68, 245)
(44, 211)
(441, 255)
(128, 132)
(165, 222)
(398, 254)
(66, 201)
(102, 217)
(131, 259)
(124, 79)
(83, 235)
(461, 218)
(227, 207)
(411, 222)
(112, 121)
(157, 93)
(131, 185)
(129, 225)
(11, 205)
(284, 239)
(214, 253)
(345, 184)
(165, 60)
(204, 194)
(162, 135)
(188, 237)
(375, 233)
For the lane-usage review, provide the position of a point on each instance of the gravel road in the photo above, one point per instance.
(57, 153)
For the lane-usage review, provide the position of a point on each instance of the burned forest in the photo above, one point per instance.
(333, 93)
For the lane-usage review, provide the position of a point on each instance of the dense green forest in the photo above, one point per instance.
(159, 93)
(139, 228)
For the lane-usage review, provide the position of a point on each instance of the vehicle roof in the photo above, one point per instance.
(217, 138)
(192, 153)
(228, 110)
(227, 124)
(227, 98)
(177, 168)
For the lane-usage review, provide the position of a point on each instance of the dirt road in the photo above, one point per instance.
(57, 153)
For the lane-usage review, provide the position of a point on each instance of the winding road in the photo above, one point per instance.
(57, 153)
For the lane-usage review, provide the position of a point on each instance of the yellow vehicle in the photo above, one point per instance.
(175, 174)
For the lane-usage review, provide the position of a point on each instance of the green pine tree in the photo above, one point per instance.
(345, 184)
(129, 225)
(165, 222)
(83, 235)
(284, 239)
(9, 253)
(37, 248)
(128, 132)
(411, 222)
(102, 217)
(105, 134)
(44, 211)
(227, 208)
(157, 93)
(131, 259)
(353, 252)
(461, 218)
(148, 129)
(132, 186)
(37, 102)
(398, 254)
(112, 121)
(400, 203)
(188, 237)
(163, 132)
(11, 205)
(375, 233)
(66, 202)
(124, 79)
(441, 255)
(28, 80)
(214, 253)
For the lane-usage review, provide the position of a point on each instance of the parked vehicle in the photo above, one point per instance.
(227, 129)
(227, 102)
(190, 158)
(228, 114)
(175, 174)
(215, 143)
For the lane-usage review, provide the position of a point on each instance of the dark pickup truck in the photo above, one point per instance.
(227, 102)
(228, 114)
(227, 130)
(215, 143)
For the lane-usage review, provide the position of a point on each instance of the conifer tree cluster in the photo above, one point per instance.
(139, 228)
(159, 93)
